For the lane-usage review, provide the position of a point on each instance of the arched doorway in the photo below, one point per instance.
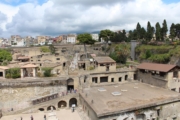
(64, 64)
(41, 109)
(126, 77)
(70, 84)
(72, 101)
(135, 76)
(49, 108)
(62, 104)
(120, 79)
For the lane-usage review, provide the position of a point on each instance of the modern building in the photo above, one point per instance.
(71, 38)
(95, 37)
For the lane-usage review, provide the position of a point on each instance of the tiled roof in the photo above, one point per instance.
(4, 67)
(29, 66)
(104, 60)
(156, 67)
(24, 57)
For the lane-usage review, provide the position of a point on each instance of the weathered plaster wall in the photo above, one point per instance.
(152, 80)
(20, 97)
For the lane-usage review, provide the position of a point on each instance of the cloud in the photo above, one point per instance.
(56, 17)
(89, 2)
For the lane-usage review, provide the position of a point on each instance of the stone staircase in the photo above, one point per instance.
(33, 107)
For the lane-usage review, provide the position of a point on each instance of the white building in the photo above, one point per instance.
(71, 38)
(95, 37)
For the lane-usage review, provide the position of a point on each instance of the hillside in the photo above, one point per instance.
(157, 54)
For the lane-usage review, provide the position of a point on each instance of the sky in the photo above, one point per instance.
(57, 17)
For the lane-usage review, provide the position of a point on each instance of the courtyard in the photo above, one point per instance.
(63, 114)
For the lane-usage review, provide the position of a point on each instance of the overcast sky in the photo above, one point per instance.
(56, 17)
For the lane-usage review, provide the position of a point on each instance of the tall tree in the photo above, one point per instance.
(177, 26)
(106, 35)
(138, 29)
(124, 35)
(143, 33)
(172, 31)
(158, 31)
(52, 49)
(85, 38)
(150, 31)
(164, 29)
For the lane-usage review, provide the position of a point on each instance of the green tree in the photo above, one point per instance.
(158, 31)
(150, 31)
(45, 49)
(122, 52)
(172, 31)
(106, 35)
(124, 37)
(5, 55)
(130, 36)
(52, 49)
(138, 29)
(143, 33)
(13, 73)
(84, 39)
(164, 30)
(177, 26)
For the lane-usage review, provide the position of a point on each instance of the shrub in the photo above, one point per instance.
(13, 73)
(91, 68)
(8, 75)
(47, 72)
(39, 74)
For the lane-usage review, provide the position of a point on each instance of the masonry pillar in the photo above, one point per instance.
(22, 73)
(34, 72)
(4, 74)
(98, 80)
(87, 64)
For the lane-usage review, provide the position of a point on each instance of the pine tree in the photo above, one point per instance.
(172, 31)
(164, 30)
(138, 29)
(143, 33)
(158, 31)
(150, 32)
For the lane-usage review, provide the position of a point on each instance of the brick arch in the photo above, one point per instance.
(125, 77)
(62, 103)
(49, 107)
(72, 101)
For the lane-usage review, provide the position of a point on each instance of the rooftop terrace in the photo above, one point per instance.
(126, 97)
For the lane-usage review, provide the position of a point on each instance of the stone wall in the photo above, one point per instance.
(152, 80)
(19, 95)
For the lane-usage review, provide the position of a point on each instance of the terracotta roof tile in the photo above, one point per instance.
(104, 60)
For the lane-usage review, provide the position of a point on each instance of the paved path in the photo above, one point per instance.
(63, 114)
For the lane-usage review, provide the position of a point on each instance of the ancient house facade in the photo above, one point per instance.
(161, 75)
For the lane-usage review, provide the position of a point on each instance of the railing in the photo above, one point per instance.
(44, 98)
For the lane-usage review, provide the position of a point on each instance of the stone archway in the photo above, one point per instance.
(70, 84)
(62, 104)
(72, 101)
(49, 108)
(41, 109)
